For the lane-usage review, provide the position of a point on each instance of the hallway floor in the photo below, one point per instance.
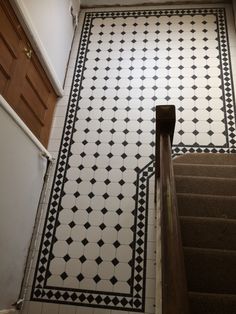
(96, 247)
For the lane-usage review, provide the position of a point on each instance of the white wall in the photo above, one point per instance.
(50, 23)
(234, 11)
(91, 3)
(22, 171)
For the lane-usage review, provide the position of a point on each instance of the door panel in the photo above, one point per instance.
(7, 55)
(26, 113)
(39, 81)
(9, 46)
(34, 104)
(4, 77)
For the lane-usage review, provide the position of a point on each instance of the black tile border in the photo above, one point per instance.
(136, 300)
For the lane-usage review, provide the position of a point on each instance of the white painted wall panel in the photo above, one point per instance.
(22, 169)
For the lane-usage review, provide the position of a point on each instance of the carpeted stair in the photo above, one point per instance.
(206, 193)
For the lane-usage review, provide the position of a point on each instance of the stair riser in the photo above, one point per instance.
(205, 170)
(206, 206)
(208, 159)
(185, 184)
(209, 271)
(208, 233)
(206, 304)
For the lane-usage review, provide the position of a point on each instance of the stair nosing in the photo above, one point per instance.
(192, 293)
(204, 165)
(206, 195)
(209, 219)
(209, 250)
(205, 177)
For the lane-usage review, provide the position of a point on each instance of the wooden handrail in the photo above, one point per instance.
(174, 287)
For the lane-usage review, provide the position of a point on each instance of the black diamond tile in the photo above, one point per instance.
(98, 260)
(104, 211)
(108, 168)
(69, 240)
(124, 143)
(74, 209)
(123, 168)
(115, 261)
(87, 225)
(79, 180)
(100, 242)
(102, 226)
(80, 277)
(83, 259)
(116, 244)
(113, 280)
(72, 224)
(96, 278)
(66, 257)
(76, 194)
(85, 241)
(105, 195)
(89, 210)
(118, 227)
(121, 182)
(91, 195)
(107, 181)
(120, 196)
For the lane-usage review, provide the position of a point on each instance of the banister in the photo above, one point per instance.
(174, 287)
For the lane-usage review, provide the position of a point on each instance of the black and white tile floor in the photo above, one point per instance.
(97, 249)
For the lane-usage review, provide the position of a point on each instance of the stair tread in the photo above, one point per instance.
(223, 171)
(207, 158)
(210, 270)
(208, 232)
(205, 185)
(211, 303)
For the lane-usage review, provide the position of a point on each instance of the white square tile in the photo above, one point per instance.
(67, 309)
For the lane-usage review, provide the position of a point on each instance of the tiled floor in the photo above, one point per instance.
(97, 253)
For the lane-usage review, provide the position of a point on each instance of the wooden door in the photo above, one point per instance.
(11, 46)
(23, 82)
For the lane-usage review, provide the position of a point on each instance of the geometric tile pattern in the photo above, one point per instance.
(93, 248)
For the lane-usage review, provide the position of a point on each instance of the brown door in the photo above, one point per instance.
(23, 82)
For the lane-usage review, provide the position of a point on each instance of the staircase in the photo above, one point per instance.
(206, 194)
